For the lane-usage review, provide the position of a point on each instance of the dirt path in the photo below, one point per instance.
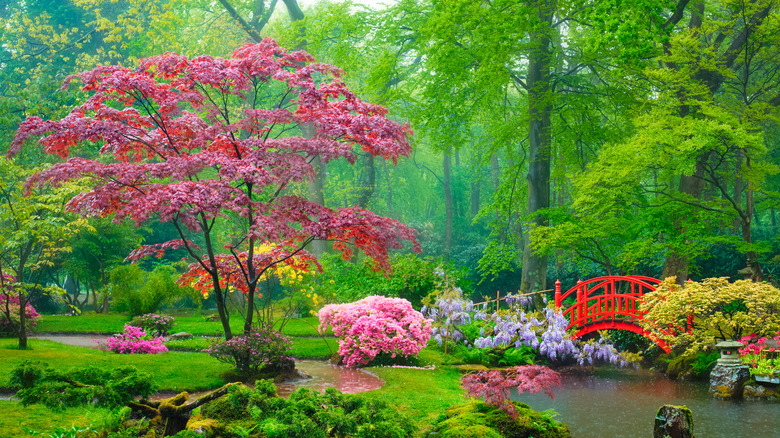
(75, 340)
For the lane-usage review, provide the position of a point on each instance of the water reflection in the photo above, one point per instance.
(324, 375)
(623, 403)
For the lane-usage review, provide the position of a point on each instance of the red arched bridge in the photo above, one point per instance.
(607, 303)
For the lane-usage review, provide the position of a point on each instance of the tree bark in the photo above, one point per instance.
(367, 183)
(389, 189)
(448, 207)
(534, 274)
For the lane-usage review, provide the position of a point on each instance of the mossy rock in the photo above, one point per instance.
(231, 406)
(475, 418)
(208, 427)
(680, 367)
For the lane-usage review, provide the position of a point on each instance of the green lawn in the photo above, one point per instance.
(17, 419)
(195, 324)
(421, 394)
(173, 371)
(303, 348)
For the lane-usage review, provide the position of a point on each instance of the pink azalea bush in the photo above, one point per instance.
(133, 341)
(494, 386)
(375, 325)
(9, 307)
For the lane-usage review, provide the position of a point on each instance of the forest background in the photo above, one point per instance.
(552, 139)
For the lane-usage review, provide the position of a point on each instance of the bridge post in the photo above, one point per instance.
(558, 294)
(580, 309)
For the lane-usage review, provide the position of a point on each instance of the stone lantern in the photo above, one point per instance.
(728, 353)
(729, 375)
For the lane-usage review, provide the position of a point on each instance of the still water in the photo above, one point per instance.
(623, 403)
(325, 375)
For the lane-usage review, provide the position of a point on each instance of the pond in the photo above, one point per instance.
(325, 375)
(623, 403)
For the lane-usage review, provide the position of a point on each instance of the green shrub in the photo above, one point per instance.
(138, 292)
(306, 414)
(475, 418)
(80, 386)
(413, 278)
(264, 348)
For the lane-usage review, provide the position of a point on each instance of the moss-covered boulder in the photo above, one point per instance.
(475, 418)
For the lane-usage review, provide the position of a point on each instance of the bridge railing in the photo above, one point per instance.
(613, 298)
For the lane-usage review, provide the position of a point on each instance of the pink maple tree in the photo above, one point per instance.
(221, 144)
(494, 386)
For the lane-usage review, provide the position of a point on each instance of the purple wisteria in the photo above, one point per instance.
(514, 327)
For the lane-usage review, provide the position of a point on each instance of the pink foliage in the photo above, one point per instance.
(10, 302)
(375, 325)
(132, 341)
(494, 386)
(197, 140)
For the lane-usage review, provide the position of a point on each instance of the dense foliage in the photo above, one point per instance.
(305, 414)
(375, 325)
(476, 418)
(696, 316)
(36, 383)
(512, 331)
(264, 348)
(9, 314)
(157, 325)
(761, 355)
(212, 141)
(494, 386)
(411, 278)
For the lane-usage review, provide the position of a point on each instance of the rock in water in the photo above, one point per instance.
(673, 421)
(726, 381)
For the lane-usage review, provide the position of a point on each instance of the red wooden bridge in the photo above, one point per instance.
(607, 303)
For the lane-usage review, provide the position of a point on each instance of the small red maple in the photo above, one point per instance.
(206, 140)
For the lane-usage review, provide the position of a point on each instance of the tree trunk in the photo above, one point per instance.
(534, 276)
(475, 187)
(368, 181)
(676, 263)
(447, 165)
(495, 173)
(389, 189)
(23, 300)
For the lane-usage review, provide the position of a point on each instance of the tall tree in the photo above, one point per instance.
(208, 140)
(34, 230)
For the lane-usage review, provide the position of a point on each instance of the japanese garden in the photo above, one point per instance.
(398, 218)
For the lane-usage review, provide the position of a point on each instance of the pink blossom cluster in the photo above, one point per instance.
(494, 386)
(132, 341)
(755, 345)
(10, 302)
(374, 325)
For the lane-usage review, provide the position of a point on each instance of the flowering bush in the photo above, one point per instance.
(701, 313)
(757, 352)
(133, 341)
(375, 325)
(160, 325)
(9, 308)
(494, 386)
(263, 347)
(513, 330)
